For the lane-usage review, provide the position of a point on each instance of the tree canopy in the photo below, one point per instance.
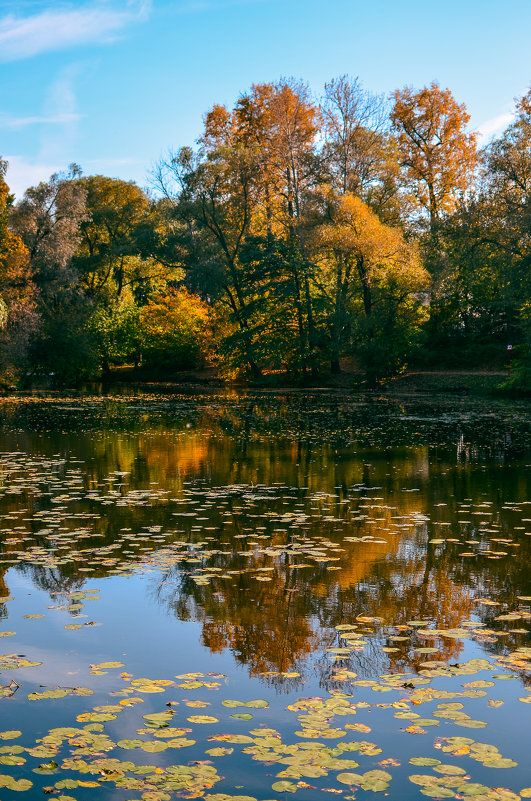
(302, 233)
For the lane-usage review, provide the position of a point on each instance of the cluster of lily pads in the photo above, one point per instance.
(88, 756)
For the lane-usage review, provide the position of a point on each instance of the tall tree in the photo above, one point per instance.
(368, 267)
(355, 124)
(48, 220)
(286, 123)
(18, 316)
(211, 201)
(116, 209)
(507, 180)
(253, 176)
(437, 153)
(508, 170)
(295, 126)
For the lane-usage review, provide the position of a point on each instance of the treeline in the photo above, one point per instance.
(297, 234)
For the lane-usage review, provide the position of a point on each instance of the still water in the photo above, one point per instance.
(249, 596)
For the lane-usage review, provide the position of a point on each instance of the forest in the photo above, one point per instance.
(299, 237)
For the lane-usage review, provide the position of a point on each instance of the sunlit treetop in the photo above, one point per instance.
(437, 153)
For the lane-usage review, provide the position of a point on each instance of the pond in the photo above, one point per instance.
(254, 595)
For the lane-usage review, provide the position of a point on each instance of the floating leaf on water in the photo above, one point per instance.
(449, 770)
(10, 735)
(129, 744)
(12, 784)
(284, 787)
(215, 752)
(349, 778)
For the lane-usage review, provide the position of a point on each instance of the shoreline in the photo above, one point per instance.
(423, 383)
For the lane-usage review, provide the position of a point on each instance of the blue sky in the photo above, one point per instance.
(112, 84)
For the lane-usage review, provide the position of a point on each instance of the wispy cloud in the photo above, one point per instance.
(495, 125)
(15, 123)
(67, 26)
(200, 6)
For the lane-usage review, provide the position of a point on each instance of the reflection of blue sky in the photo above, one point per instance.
(113, 84)
(125, 610)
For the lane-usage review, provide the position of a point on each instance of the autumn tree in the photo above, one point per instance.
(360, 153)
(251, 177)
(115, 211)
(280, 124)
(436, 152)
(295, 125)
(18, 315)
(371, 277)
(174, 331)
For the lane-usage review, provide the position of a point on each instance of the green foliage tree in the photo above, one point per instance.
(48, 219)
(116, 210)
(116, 332)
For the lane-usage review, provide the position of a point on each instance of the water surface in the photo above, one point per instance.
(253, 595)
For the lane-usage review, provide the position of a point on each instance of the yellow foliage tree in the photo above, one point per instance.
(438, 154)
(175, 330)
(365, 261)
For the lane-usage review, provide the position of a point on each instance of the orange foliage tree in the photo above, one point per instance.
(18, 318)
(175, 330)
(438, 154)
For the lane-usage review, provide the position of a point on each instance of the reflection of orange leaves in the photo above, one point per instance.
(167, 460)
(270, 636)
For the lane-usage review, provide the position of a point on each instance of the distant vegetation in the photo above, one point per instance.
(299, 232)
